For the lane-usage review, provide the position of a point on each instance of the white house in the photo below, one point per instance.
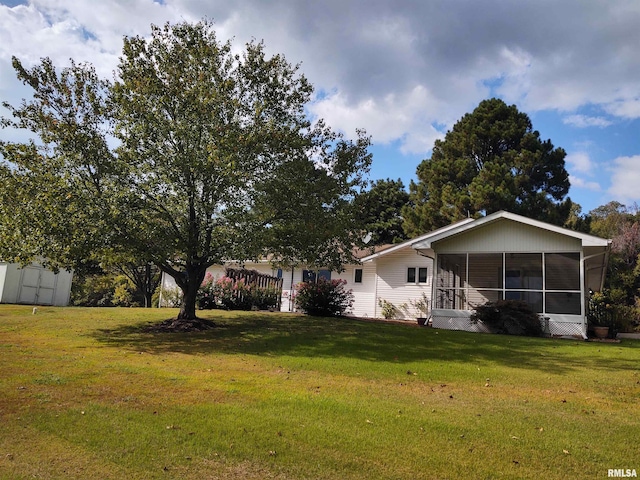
(34, 285)
(466, 264)
(397, 274)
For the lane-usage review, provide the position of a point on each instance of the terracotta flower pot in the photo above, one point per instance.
(601, 332)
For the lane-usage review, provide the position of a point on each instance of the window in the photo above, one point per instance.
(324, 274)
(312, 276)
(357, 276)
(279, 274)
(421, 272)
(308, 276)
(422, 275)
(411, 275)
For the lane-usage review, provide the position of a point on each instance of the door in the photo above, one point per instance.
(37, 286)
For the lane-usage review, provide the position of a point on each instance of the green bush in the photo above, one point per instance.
(93, 291)
(511, 317)
(388, 309)
(234, 294)
(326, 298)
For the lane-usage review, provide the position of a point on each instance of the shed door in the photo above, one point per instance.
(37, 287)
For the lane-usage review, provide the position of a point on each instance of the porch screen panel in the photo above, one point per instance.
(485, 270)
(534, 299)
(523, 271)
(485, 278)
(523, 279)
(562, 271)
(563, 302)
(451, 281)
(476, 297)
(562, 283)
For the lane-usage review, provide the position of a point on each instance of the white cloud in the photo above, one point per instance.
(579, 182)
(395, 68)
(580, 165)
(387, 119)
(580, 162)
(625, 179)
(628, 109)
(584, 121)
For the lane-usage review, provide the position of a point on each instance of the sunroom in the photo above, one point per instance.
(507, 256)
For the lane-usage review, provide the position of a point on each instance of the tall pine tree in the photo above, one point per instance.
(491, 160)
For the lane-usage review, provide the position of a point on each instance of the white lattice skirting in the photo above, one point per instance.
(460, 320)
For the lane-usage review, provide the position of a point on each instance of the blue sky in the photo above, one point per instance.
(405, 71)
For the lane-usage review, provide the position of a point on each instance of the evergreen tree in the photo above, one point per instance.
(380, 209)
(491, 160)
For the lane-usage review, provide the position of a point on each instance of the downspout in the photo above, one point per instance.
(375, 294)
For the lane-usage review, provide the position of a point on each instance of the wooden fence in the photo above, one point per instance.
(256, 282)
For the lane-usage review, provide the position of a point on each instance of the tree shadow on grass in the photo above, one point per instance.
(302, 336)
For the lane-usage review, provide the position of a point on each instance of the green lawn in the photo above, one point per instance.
(85, 393)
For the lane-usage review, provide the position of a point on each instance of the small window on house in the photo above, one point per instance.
(279, 274)
(422, 275)
(358, 276)
(313, 276)
(308, 276)
(324, 274)
(411, 275)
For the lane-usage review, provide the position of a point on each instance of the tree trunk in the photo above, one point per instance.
(190, 284)
(148, 285)
(188, 308)
(148, 299)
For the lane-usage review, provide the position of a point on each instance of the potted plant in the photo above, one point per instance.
(421, 305)
(599, 315)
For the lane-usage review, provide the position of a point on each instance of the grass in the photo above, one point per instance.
(85, 393)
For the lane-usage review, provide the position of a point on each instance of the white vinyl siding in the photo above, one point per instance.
(392, 283)
(364, 298)
(508, 236)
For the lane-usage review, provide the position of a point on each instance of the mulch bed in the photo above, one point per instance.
(175, 325)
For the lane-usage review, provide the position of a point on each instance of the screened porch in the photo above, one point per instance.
(551, 283)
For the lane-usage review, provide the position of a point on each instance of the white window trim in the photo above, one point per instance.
(417, 280)
(361, 276)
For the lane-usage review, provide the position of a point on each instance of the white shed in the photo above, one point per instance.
(34, 285)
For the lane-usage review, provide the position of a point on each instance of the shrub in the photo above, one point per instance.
(511, 317)
(388, 309)
(235, 294)
(103, 290)
(172, 297)
(327, 298)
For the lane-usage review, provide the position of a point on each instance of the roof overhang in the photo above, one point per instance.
(413, 241)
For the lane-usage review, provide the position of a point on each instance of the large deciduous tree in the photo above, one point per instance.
(491, 160)
(177, 161)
